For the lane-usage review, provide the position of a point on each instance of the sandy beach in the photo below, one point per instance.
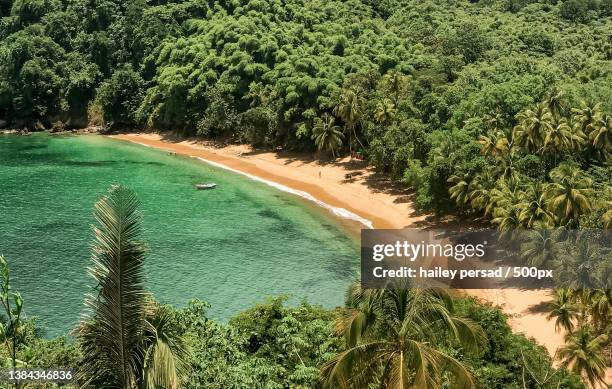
(365, 193)
(354, 186)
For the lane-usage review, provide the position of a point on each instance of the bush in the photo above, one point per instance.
(95, 114)
(120, 96)
(577, 10)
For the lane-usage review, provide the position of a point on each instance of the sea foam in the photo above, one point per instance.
(337, 211)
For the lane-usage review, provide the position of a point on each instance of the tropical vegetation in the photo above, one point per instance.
(586, 317)
(125, 339)
(499, 110)
(398, 337)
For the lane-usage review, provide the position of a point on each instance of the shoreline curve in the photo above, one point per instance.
(336, 211)
(382, 209)
(353, 202)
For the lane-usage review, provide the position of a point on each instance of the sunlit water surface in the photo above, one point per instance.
(231, 246)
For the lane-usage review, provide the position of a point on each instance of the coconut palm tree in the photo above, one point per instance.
(533, 210)
(119, 343)
(533, 125)
(482, 187)
(607, 219)
(556, 102)
(586, 117)
(349, 108)
(165, 353)
(583, 353)
(447, 146)
(326, 135)
(506, 216)
(395, 82)
(493, 121)
(590, 257)
(496, 145)
(540, 247)
(599, 306)
(461, 189)
(507, 198)
(505, 168)
(12, 315)
(563, 309)
(582, 265)
(559, 137)
(393, 337)
(568, 194)
(385, 111)
(601, 137)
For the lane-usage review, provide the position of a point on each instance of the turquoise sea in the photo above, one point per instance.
(231, 246)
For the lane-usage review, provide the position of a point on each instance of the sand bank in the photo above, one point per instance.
(354, 186)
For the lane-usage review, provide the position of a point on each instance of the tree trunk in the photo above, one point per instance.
(351, 144)
(358, 141)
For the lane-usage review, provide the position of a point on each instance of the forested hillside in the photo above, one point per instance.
(264, 70)
(498, 109)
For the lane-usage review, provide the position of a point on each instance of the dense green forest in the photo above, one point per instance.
(421, 338)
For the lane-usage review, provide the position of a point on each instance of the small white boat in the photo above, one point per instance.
(212, 185)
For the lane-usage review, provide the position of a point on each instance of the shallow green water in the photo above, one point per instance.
(231, 246)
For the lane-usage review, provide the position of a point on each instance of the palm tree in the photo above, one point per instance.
(116, 332)
(393, 337)
(165, 353)
(505, 168)
(559, 137)
(556, 102)
(461, 190)
(599, 306)
(532, 128)
(327, 135)
(507, 218)
(482, 187)
(540, 248)
(533, 210)
(385, 111)
(395, 82)
(12, 320)
(496, 145)
(507, 198)
(583, 352)
(563, 309)
(607, 220)
(493, 121)
(601, 137)
(568, 194)
(584, 271)
(586, 117)
(447, 146)
(349, 109)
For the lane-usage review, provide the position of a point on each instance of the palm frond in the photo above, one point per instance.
(111, 329)
(167, 353)
(345, 368)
